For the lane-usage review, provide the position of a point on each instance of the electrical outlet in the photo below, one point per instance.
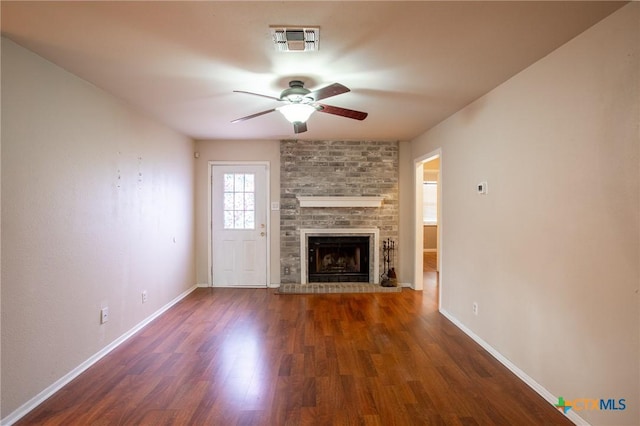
(104, 315)
(474, 308)
(145, 296)
(287, 271)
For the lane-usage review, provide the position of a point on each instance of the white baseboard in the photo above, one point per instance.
(528, 380)
(25, 408)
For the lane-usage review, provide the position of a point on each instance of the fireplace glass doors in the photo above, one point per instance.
(338, 259)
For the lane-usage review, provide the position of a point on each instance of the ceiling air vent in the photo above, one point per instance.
(296, 39)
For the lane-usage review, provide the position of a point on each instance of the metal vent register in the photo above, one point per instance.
(295, 39)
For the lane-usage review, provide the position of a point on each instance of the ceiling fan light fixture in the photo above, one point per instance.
(297, 113)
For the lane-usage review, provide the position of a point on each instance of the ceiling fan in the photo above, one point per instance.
(300, 103)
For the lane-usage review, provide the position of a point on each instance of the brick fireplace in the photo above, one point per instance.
(356, 171)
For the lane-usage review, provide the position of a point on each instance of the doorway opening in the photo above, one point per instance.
(428, 222)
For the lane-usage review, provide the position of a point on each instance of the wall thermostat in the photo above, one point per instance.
(482, 188)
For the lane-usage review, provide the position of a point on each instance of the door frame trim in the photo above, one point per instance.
(210, 165)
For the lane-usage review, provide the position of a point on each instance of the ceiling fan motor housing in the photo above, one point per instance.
(296, 93)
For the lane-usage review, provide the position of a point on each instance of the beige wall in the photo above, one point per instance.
(551, 254)
(236, 151)
(97, 205)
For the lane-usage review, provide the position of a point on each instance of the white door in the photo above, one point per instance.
(239, 225)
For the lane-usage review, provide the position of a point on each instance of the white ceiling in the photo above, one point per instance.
(408, 64)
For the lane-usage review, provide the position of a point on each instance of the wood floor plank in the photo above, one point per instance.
(253, 357)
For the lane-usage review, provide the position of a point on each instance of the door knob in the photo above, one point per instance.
(262, 234)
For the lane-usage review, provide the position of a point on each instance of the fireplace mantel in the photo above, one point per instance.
(339, 201)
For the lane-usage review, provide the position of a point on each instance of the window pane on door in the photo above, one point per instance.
(239, 201)
(228, 182)
(249, 183)
(238, 205)
(228, 201)
(238, 222)
(249, 203)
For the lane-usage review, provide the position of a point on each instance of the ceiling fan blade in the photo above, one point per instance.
(258, 94)
(257, 114)
(343, 112)
(331, 90)
(299, 127)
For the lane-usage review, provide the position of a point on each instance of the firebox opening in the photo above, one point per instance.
(338, 259)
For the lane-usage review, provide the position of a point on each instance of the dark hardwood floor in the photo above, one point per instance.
(430, 262)
(253, 357)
